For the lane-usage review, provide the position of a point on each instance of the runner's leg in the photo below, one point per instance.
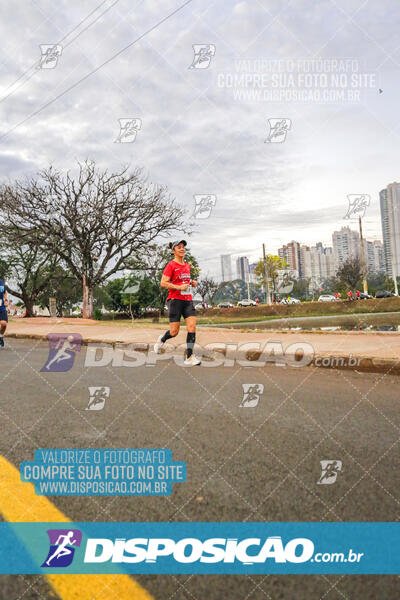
(191, 335)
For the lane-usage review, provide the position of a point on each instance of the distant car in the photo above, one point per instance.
(225, 305)
(201, 306)
(293, 301)
(247, 303)
(326, 298)
(383, 294)
(365, 296)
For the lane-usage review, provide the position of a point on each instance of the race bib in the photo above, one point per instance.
(187, 292)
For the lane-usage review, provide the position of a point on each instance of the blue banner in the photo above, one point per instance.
(208, 548)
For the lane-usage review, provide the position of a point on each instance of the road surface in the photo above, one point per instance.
(243, 464)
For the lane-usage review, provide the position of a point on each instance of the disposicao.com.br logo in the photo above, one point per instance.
(248, 551)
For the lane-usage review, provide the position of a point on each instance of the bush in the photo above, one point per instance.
(97, 314)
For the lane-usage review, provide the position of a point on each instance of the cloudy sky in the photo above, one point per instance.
(202, 131)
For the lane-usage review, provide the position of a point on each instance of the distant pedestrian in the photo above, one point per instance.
(257, 300)
(336, 296)
(358, 294)
(350, 295)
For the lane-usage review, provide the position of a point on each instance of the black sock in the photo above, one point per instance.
(190, 341)
(166, 337)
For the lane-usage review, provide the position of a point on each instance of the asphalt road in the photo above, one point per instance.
(243, 464)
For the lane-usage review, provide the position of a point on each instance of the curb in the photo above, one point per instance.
(365, 364)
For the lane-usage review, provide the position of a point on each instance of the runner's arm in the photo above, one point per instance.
(5, 299)
(165, 283)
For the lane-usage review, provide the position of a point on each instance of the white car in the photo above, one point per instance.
(327, 298)
(293, 301)
(247, 303)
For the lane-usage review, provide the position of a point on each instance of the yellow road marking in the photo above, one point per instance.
(19, 503)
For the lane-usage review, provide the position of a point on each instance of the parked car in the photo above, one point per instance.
(383, 294)
(293, 301)
(327, 298)
(365, 296)
(225, 305)
(247, 303)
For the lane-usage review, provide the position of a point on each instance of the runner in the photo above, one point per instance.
(3, 311)
(176, 278)
(62, 549)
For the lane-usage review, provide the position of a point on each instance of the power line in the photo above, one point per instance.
(71, 87)
(35, 64)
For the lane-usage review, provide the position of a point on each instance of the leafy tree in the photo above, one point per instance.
(301, 288)
(29, 270)
(93, 222)
(349, 274)
(64, 288)
(274, 264)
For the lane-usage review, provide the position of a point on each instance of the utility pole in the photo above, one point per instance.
(267, 296)
(248, 283)
(364, 270)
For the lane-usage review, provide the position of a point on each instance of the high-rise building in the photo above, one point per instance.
(290, 253)
(390, 219)
(316, 264)
(327, 262)
(242, 268)
(226, 267)
(379, 256)
(252, 274)
(346, 244)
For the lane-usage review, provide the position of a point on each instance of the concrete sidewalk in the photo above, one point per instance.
(373, 351)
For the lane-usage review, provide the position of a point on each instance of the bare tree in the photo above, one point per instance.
(207, 287)
(93, 222)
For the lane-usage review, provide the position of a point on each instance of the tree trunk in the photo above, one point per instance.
(87, 301)
(29, 303)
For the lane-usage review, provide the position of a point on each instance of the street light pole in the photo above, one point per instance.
(364, 270)
(267, 296)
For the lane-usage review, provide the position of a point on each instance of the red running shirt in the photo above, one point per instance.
(178, 275)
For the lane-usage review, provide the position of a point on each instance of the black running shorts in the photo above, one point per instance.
(180, 308)
(3, 314)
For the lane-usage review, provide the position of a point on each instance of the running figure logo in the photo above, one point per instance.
(97, 397)
(203, 205)
(285, 282)
(128, 129)
(251, 394)
(63, 543)
(330, 470)
(358, 204)
(50, 55)
(203, 54)
(278, 129)
(63, 347)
